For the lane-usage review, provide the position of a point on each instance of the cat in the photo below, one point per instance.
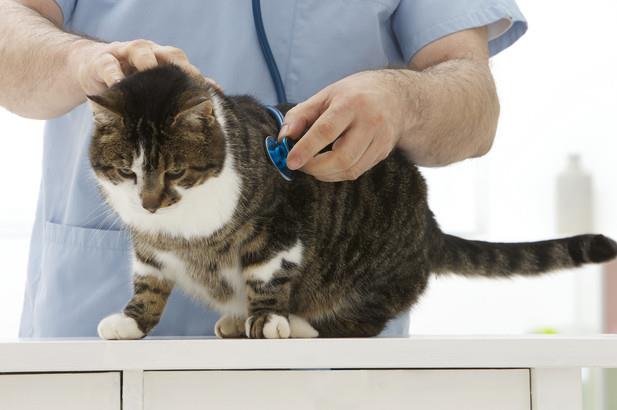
(183, 165)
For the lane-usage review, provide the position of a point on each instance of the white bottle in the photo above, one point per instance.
(574, 199)
(575, 217)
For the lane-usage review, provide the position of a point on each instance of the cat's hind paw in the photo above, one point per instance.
(229, 327)
(119, 327)
(301, 328)
(267, 326)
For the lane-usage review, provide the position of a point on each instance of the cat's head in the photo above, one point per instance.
(159, 150)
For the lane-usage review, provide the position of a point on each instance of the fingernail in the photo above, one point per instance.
(284, 130)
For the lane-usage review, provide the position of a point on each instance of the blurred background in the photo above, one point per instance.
(558, 96)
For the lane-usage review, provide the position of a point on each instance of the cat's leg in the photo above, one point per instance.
(143, 311)
(229, 327)
(360, 320)
(350, 327)
(268, 304)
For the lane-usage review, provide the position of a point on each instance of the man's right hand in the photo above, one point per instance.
(100, 65)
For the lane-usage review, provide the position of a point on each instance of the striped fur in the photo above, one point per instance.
(476, 258)
(184, 167)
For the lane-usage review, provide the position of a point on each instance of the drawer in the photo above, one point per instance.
(338, 389)
(60, 391)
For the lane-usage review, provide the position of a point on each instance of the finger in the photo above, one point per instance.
(139, 54)
(90, 86)
(300, 117)
(108, 69)
(213, 83)
(371, 157)
(346, 152)
(324, 130)
(174, 55)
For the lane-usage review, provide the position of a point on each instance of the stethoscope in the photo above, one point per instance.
(275, 151)
(281, 94)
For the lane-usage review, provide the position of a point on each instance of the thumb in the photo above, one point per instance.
(303, 115)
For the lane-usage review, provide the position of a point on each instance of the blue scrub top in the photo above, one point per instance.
(79, 268)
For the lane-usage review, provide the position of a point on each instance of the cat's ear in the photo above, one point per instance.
(106, 107)
(195, 108)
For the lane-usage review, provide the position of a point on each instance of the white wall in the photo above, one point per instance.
(21, 146)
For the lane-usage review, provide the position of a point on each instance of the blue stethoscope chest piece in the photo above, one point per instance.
(278, 155)
(278, 152)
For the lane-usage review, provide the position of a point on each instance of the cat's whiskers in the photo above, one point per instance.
(113, 223)
(101, 224)
(96, 212)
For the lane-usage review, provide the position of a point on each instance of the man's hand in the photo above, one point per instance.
(362, 114)
(46, 72)
(441, 110)
(100, 65)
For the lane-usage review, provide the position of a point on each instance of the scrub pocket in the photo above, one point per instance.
(84, 276)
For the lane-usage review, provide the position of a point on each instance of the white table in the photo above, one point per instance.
(506, 373)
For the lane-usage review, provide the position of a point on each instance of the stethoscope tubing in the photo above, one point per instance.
(262, 37)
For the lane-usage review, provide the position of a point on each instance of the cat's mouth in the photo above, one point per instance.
(160, 211)
(138, 208)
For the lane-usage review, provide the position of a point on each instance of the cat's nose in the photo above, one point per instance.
(150, 202)
(152, 210)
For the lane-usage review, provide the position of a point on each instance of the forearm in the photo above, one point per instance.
(37, 79)
(453, 112)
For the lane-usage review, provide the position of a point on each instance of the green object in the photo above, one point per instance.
(545, 331)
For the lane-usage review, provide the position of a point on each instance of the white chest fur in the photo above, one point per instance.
(187, 277)
(202, 210)
(175, 269)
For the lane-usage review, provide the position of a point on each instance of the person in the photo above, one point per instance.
(437, 102)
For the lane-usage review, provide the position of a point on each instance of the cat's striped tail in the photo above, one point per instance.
(491, 259)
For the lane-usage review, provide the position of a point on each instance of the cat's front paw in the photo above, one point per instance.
(268, 326)
(119, 327)
(229, 326)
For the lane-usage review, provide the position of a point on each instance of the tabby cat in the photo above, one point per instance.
(184, 167)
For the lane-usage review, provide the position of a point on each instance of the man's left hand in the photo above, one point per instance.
(443, 108)
(362, 114)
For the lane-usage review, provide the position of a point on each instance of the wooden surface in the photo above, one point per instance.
(414, 352)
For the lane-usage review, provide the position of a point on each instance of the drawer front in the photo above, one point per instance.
(338, 389)
(60, 391)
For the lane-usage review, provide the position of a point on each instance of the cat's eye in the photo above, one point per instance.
(126, 172)
(175, 173)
